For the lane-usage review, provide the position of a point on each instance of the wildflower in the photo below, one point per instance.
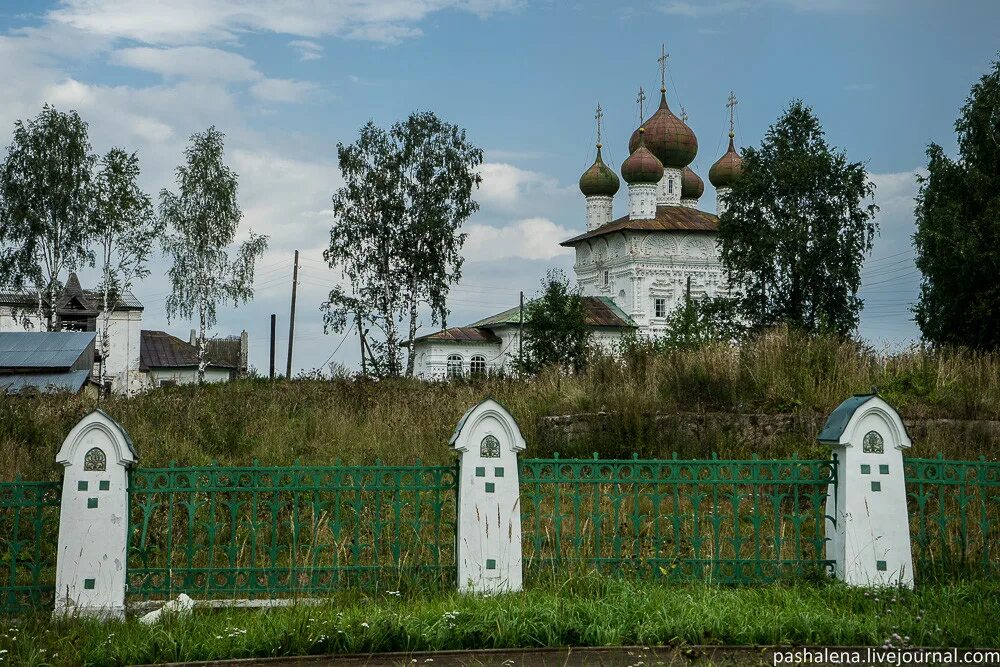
(364, 625)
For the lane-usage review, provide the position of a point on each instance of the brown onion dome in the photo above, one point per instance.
(599, 179)
(670, 139)
(692, 187)
(728, 168)
(642, 166)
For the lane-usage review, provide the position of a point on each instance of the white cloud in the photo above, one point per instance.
(531, 238)
(507, 186)
(190, 21)
(282, 90)
(308, 50)
(189, 61)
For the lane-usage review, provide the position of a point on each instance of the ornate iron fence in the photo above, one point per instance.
(954, 509)
(273, 532)
(728, 521)
(29, 526)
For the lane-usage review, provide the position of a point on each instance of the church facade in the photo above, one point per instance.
(633, 270)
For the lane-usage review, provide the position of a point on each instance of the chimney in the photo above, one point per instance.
(244, 352)
(194, 337)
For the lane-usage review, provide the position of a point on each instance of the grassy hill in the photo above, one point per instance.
(357, 421)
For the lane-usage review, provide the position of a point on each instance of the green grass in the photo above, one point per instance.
(586, 611)
(358, 421)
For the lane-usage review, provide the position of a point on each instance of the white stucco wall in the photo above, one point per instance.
(599, 211)
(186, 375)
(431, 361)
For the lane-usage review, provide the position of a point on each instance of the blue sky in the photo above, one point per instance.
(287, 80)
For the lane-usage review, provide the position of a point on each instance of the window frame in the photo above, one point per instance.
(450, 371)
(657, 302)
(480, 361)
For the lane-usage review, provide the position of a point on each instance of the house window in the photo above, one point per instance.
(670, 185)
(477, 365)
(166, 383)
(607, 278)
(659, 307)
(454, 365)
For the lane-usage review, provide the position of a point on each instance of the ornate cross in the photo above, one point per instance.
(641, 100)
(684, 115)
(731, 103)
(598, 117)
(663, 65)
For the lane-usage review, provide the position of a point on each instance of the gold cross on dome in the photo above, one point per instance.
(731, 103)
(598, 116)
(663, 65)
(641, 99)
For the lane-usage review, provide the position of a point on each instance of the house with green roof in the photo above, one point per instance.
(492, 344)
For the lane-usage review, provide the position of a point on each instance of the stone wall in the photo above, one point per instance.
(732, 435)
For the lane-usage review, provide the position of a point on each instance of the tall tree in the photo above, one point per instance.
(46, 198)
(201, 221)
(397, 237)
(126, 229)
(555, 329)
(958, 228)
(799, 223)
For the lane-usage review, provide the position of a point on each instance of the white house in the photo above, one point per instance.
(492, 345)
(166, 360)
(78, 309)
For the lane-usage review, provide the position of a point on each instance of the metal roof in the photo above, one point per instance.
(45, 383)
(158, 349)
(461, 335)
(599, 311)
(668, 219)
(39, 349)
(841, 417)
(90, 299)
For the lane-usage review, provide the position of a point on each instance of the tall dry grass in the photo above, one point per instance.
(359, 421)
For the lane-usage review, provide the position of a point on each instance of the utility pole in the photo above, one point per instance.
(291, 319)
(361, 337)
(274, 323)
(520, 331)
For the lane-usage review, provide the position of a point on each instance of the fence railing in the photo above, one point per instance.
(29, 526)
(727, 521)
(954, 509)
(273, 532)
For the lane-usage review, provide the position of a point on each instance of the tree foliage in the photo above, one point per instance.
(397, 236)
(958, 228)
(46, 197)
(201, 221)
(126, 229)
(555, 328)
(798, 225)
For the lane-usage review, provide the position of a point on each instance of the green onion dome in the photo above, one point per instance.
(599, 179)
(728, 168)
(670, 139)
(692, 187)
(642, 166)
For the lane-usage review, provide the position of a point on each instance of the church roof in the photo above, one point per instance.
(598, 311)
(90, 300)
(471, 334)
(668, 219)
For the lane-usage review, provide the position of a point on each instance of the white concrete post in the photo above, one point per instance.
(489, 508)
(93, 519)
(869, 534)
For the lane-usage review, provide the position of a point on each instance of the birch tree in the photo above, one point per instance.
(46, 202)
(201, 221)
(126, 229)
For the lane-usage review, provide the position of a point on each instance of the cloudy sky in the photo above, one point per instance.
(287, 80)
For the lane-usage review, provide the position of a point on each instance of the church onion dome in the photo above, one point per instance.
(692, 187)
(599, 179)
(728, 168)
(642, 166)
(670, 139)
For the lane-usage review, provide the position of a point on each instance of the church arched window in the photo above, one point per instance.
(454, 365)
(477, 365)
(670, 185)
(607, 278)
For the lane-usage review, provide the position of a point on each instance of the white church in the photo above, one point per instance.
(633, 270)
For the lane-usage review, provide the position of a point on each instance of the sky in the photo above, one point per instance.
(286, 81)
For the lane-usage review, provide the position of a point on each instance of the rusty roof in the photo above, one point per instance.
(598, 311)
(668, 219)
(158, 349)
(461, 335)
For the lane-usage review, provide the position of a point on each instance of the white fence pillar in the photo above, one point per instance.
(93, 518)
(869, 537)
(489, 508)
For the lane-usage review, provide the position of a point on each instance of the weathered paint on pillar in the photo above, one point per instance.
(93, 519)
(489, 508)
(869, 536)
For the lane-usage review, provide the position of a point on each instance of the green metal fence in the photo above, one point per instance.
(29, 525)
(274, 532)
(728, 521)
(954, 509)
